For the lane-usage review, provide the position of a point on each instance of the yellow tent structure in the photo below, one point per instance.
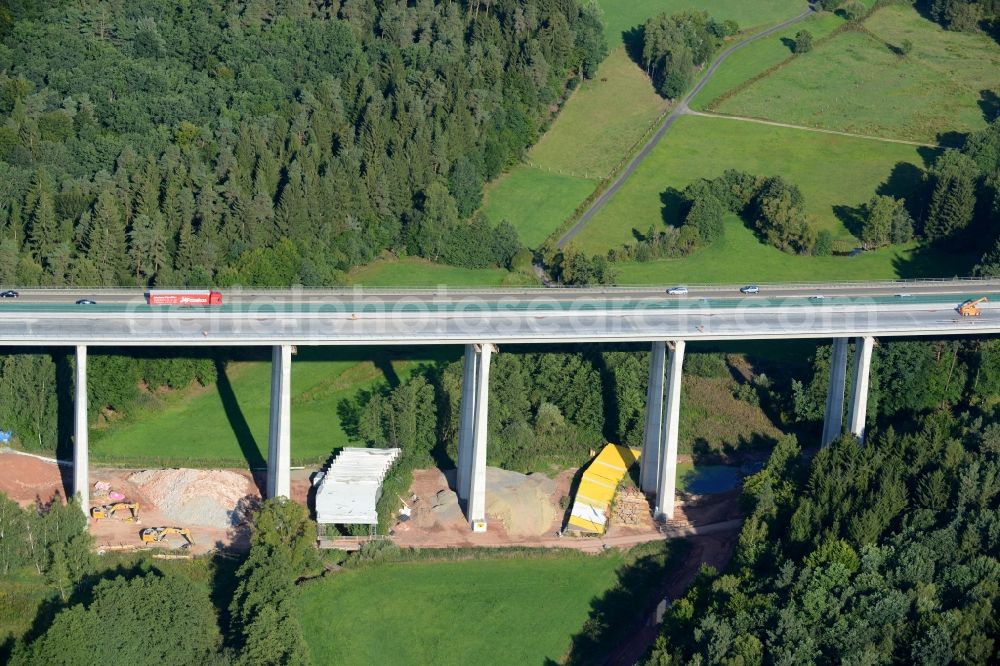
(597, 487)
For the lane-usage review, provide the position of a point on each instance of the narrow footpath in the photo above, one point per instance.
(680, 110)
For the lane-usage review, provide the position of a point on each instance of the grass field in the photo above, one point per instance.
(416, 272)
(755, 58)
(510, 611)
(227, 423)
(601, 121)
(740, 258)
(535, 201)
(594, 129)
(856, 83)
(620, 15)
(835, 174)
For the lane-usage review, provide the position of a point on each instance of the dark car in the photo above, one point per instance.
(10, 293)
(86, 301)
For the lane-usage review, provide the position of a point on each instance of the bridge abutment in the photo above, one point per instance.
(279, 441)
(81, 441)
(473, 427)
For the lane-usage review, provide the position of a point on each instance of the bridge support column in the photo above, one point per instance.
(279, 441)
(472, 433)
(649, 466)
(81, 463)
(858, 408)
(467, 422)
(667, 478)
(833, 418)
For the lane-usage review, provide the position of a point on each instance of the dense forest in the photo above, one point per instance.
(268, 142)
(883, 553)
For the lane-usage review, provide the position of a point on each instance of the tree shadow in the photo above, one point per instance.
(928, 262)
(633, 39)
(952, 139)
(621, 609)
(789, 43)
(853, 217)
(237, 421)
(674, 207)
(989, 104)
(906, 181)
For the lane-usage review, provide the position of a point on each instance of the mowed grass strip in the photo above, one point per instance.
(417, 272)
(756, 58)
(835, 174)
(595, 128)
(509, 611)
(535, 201)
(856, 83)
(227, 423)
(739, 257)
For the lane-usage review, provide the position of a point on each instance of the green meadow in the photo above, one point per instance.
(860, 81)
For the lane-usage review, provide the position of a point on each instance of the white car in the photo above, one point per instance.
(677, 291)
(817, 297)
(750, 289)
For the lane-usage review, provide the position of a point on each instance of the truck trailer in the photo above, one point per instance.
(184, 297)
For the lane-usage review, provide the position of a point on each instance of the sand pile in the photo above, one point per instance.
(186, 497)
(522, 502)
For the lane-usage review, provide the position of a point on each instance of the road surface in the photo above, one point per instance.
(512, 316)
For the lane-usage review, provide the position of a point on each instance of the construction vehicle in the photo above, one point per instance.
(157, 534)
(970, 308)
(109, 511)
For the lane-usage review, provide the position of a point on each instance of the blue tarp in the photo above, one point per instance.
(6, 435)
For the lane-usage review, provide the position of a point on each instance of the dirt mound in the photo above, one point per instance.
(522, 502)
(24, 478)
(211, 498)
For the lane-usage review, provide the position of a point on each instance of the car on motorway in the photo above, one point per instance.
(904, 295)
(677, 291)
(86, 301)
(750, 289)
(10, 293)
(817, 297)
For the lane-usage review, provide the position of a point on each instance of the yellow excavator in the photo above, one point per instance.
(109, 511)
(970, 308)
(157, 534)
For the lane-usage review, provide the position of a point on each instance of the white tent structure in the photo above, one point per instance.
(349, 487)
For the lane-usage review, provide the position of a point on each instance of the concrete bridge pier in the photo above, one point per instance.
(667, 458)
(649, 467)
(81, 446)
(279, 440)
(833, 418)
(472, 432)
(858, 408)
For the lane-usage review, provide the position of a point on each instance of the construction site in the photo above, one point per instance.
(205, 510)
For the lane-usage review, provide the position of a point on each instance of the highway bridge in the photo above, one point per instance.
(484, 319)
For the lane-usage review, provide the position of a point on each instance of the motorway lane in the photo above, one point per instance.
(214, 326)
(724, 295)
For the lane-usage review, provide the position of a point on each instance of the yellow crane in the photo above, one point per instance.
(157, 534)
(970, 308)
(109, 511)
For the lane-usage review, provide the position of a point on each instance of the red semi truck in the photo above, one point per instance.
(184, 297)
